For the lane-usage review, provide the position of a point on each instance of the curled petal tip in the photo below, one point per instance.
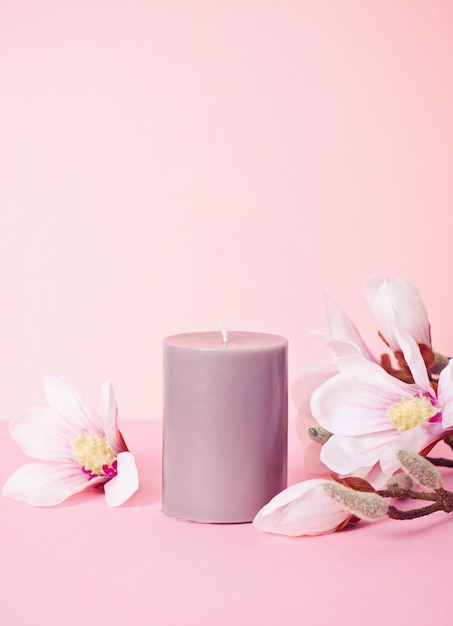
(120, 488)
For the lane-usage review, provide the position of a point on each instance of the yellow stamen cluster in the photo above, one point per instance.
(92, 452)
(410, 412)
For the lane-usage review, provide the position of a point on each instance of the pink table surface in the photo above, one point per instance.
(86, 563)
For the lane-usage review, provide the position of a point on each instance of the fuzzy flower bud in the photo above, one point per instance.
(368, 506)
(419, 469)
(319, 434)
(400, 481)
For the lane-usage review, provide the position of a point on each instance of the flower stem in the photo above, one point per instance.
(442, 501)
(395, 513)
(440, 461)
(405, 493)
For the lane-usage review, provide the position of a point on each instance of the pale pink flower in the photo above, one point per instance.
(371, 413)
(74, 447)
(396, 304)
(302, 509)
(343, 338)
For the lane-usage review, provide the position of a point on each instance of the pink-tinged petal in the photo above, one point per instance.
(125, 483)
(290, 494)
(375, 476)
(355, 402)
(397, 301)
(344, 337)
(414, 359)
(46, 484)
(414, 440)
(302, 509)
(43, 434)
(445, 395)
(308, 380)
(114, 437)
(345, 455)
(66, 400)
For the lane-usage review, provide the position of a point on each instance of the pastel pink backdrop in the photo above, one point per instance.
(164, 164)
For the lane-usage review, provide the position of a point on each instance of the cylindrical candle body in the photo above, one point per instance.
(225, 424)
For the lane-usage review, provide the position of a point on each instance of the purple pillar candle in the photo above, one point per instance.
(225, 424)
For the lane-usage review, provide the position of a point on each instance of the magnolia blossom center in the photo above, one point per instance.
(93, 454)
(410, 412)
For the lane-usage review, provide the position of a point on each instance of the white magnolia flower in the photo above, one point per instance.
(371, 413)
(75, 449)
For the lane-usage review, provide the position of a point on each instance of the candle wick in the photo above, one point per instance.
(224, 332)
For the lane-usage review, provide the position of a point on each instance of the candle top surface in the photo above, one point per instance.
(237, 340)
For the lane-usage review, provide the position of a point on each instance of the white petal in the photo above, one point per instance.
(445, 395)
(114, 437)
(397, 300)
(375, 476)
(347, 454)
(410, 309)
(308, 380)
(356, 401)
(43, 434)
(302, 509)
(414, 440)
(125, 483)
(344, 337)
(413, 358)
(363, 369)
(66, 400)
(290, 494)
(46, 484)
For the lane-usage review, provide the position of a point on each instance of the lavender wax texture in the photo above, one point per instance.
(225, 424)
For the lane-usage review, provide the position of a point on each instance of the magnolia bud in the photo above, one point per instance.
(399, 481)
(368, 506)
(419, 469)
(319, 434)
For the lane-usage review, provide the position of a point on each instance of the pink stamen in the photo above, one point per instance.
(108, 472)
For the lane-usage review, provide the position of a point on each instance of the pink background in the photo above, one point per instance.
(164, 164)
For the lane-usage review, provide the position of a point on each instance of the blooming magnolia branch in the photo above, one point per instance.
(370, 505)
(362, 419)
